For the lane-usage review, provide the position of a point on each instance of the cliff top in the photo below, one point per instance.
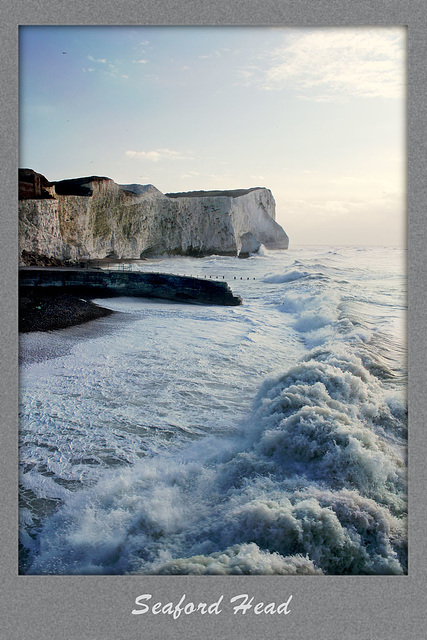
(139, 189)
(35, 185)
(78, 186)
(233, 193)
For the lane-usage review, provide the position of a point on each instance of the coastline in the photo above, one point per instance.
(46, 311)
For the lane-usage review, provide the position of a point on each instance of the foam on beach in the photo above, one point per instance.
(263, 439)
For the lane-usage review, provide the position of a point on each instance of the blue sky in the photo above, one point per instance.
(316, 115)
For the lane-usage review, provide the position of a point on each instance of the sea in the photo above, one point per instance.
(267, 438)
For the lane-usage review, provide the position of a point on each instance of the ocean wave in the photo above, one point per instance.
(240, 559)
(319, 420)
(293, 275)
(134, 524)
(311, 480)
(308, 476)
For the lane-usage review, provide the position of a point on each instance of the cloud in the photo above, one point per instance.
(100, 60)
(157, 154)
(190, 174)
(102, 65)
(204, 176)
(250, 75)
(334, 207)
(331, 64)
(214, 54)
(349, 181)
(140, 61)
(346, 208)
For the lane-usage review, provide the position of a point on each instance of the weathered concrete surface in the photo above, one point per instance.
(98, 283)
(93, 217)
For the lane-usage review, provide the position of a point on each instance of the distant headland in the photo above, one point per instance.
(91, 218)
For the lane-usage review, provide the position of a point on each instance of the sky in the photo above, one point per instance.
(317, 115)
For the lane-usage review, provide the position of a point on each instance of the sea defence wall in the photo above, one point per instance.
(94, 218)
(98, 283)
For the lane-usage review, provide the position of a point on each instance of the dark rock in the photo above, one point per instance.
(32, 259)
(78, 186)
(34, 185)
(41, 310)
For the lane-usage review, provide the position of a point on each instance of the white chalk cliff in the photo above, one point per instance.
(95, 217)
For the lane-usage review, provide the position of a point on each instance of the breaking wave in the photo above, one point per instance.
(313, 480)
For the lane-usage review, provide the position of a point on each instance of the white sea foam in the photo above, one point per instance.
(264, 439)
(244, 559)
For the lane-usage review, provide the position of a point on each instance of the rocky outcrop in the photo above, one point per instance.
(34, 185)
(94, 218)
(248, 244)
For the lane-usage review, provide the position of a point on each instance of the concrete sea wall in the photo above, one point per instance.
(100, 283)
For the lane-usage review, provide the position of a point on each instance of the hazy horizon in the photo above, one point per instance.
(317, 115)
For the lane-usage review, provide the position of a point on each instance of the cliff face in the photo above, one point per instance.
(95, 217)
